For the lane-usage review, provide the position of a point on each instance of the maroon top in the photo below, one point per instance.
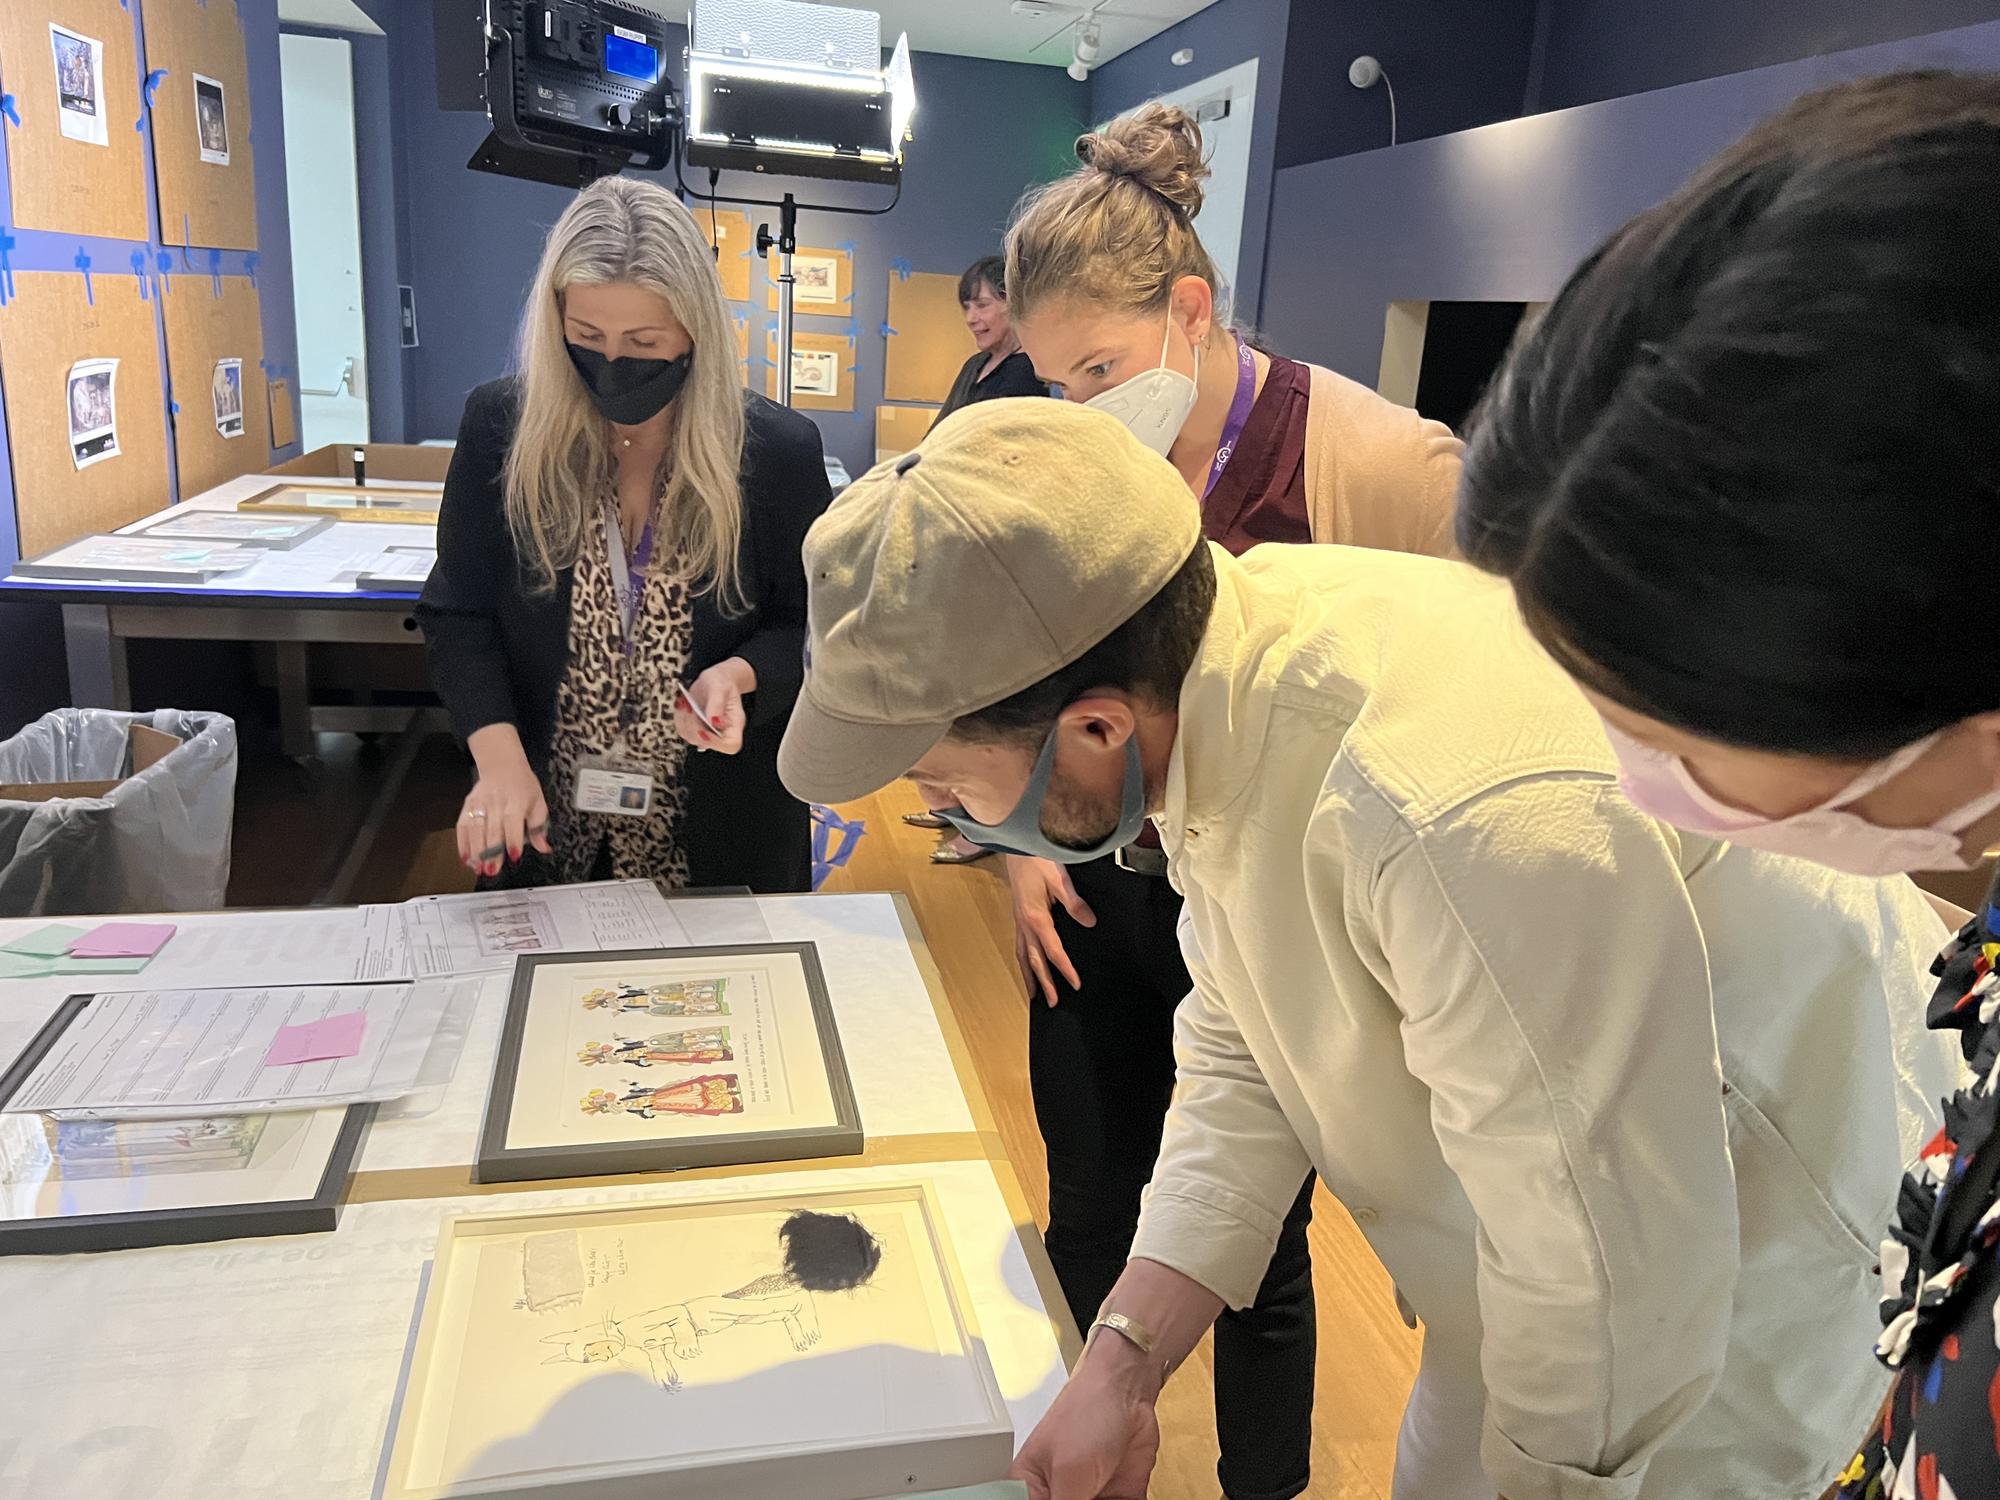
(1261, 496)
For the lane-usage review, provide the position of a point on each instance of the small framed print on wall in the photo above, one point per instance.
(657, 1061)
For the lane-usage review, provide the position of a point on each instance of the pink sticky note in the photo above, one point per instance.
(123, 940)
(316, 1041)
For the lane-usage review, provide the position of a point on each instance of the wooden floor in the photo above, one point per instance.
(292, 831)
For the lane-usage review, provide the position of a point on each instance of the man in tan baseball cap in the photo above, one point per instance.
(1435, 955)
(958, 576)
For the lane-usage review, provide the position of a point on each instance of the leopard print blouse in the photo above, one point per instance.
(599, 681)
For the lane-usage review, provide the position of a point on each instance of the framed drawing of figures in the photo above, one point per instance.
(662, 1060)
(758, 1348)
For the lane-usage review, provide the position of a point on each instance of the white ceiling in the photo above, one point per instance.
(992, 29)
(332, 15)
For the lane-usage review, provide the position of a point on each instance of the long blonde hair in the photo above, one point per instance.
(560, 465)
(1119, 230)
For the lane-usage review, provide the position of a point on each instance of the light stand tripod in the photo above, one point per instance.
(786, 241)
(787, 244)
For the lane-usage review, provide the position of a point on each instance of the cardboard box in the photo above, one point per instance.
(395, 461)
(149, 748)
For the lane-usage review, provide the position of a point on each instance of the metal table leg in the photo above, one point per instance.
(295, 730)
(97, 672)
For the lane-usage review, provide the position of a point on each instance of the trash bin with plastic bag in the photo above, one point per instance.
(116, 812)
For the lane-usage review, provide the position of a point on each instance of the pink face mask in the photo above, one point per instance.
(1658, 783)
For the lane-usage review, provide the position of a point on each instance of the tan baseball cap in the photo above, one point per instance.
(1016, 536)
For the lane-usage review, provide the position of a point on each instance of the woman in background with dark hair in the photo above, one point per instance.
(1743, 478)
(997, 367)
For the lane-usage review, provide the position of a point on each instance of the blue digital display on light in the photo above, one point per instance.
(630, 59)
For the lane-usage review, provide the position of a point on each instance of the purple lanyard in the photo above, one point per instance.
(1239, 413)
(628, 578)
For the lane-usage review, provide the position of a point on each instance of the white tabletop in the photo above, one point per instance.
(270, 1366)
(323, 564)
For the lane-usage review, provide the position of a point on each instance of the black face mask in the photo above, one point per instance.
(630, 391)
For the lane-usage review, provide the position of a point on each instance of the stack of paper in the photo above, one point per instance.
(59, 948)
(160, 1054)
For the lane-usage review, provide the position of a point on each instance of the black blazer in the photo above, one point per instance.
(1014, 376)
(498, 650)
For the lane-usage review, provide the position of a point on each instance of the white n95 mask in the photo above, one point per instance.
(1154, 404)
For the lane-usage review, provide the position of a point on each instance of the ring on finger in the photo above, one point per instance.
(467, 817)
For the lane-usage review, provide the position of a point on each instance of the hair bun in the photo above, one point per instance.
(1156, 145)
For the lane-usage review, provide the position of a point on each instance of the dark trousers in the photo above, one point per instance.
(1101, 1064)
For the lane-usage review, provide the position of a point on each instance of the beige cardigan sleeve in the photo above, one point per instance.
(1377, 474)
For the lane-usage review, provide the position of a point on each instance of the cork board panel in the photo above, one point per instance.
(928, 339)
(208, 189)
(823, 359)
(825, 281)
(735, 242)
(47, 327)
(898, 429)
(76, 162)
(203, 331)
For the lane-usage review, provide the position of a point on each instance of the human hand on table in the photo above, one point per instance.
(718, 693)
(505, 811)
(1038, 884)
(1100, 1438)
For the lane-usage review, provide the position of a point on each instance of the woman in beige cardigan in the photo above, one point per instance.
(1116, 301)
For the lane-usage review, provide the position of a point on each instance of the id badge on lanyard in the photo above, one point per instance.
(617, 783)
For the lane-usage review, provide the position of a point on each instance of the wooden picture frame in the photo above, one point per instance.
(536, 1357)
(534, 1128)
(416, 505)
(330, 1143)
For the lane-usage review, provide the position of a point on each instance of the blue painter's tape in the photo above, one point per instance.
(164, 261)
(7, 108)
(174, 407)
(887, 331)
(6, 268)
(215, 271)
(146, 92)
(250, 264)
(848, 245)
(139, 270)
(827, 854)
(82, 263)
(902, 268)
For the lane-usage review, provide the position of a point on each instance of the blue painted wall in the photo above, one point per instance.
(470, 240)
(1603, 49)
(1223, 35)
(1454, 65)
(1504, 213)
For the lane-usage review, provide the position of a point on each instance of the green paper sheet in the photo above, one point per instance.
(47, 942)
(98, 965)
(23, 966)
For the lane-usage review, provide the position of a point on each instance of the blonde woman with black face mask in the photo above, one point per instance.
(615, 621)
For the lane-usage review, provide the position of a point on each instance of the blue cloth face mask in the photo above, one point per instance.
(1020, 832)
